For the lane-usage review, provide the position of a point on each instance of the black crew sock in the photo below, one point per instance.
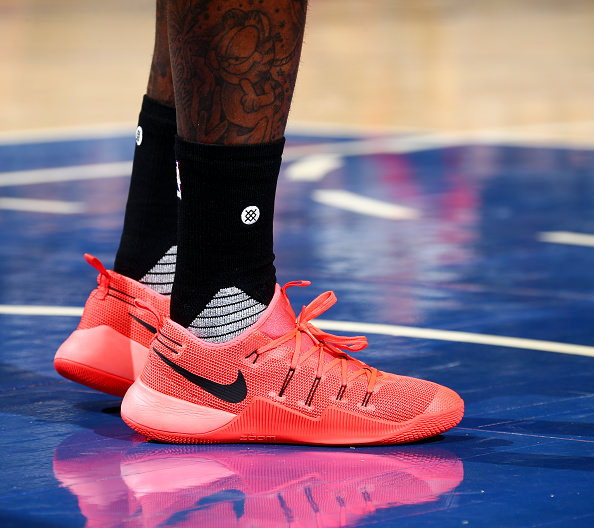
(225, 276)
(149, 238)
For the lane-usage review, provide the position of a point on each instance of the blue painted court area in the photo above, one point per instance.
(469, 265)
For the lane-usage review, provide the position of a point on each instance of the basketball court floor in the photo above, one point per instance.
(464, 254)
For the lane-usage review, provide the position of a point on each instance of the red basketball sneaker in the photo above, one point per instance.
(281, 381)
(109, 348)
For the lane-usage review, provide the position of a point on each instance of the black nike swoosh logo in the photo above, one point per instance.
(233, 393)
(149, 327)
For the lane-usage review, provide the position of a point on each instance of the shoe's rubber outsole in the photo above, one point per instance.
(101, 358)
(93, 378)
(265, 421)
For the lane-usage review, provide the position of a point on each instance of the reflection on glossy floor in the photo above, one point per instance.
(223, 486)
(470, 268)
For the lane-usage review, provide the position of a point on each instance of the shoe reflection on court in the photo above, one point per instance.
(140, 484)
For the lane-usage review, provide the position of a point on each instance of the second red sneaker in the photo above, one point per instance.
(109, 348)
(281, 381)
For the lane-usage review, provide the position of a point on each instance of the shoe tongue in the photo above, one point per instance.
(282, 320)
(282, 317)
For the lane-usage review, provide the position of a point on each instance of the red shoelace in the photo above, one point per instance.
(323, 344)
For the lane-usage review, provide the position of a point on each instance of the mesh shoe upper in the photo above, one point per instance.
(287, 360)
(112, 304)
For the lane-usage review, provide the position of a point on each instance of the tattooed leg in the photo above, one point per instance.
(160, 83)
(234, 65)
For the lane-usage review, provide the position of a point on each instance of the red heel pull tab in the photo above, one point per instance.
(148, 308)
(301, 284)
(103, 277)
(96, 263)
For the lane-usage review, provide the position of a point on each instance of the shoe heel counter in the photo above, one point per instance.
(94, 306)
(152, 365)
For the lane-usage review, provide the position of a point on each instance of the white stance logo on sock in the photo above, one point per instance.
(138, 135)
(250, 215)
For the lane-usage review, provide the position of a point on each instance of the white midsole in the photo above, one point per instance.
(155, 410)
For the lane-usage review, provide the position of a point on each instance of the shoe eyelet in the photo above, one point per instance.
(100, 293)
(250, 365)
(252, 358)
(276, 397)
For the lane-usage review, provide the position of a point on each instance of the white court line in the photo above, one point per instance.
(296, 153)
(395, 144)
(121, 169)
(363, 328)
(116, 130)
(567, 237)
(21, 309)
(313, 168)
(41, 206)
(458, 337)
(531, 132)
(363, 205)
(73, 173)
